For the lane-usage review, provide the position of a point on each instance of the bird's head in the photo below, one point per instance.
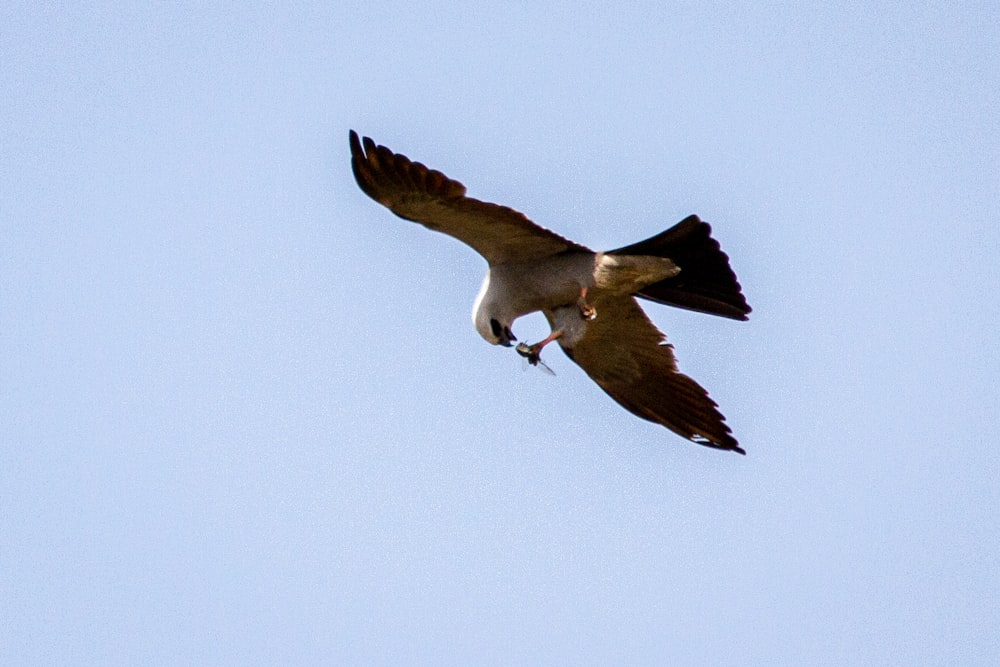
(492, 323)
(494, 331)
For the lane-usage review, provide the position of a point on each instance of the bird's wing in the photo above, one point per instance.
(627, 356)
(414, 192)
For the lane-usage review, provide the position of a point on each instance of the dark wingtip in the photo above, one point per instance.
(727, 443)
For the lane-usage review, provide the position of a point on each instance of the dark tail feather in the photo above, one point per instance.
(705, 284)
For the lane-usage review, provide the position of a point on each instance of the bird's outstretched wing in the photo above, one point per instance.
(624, 353)
(414, 192)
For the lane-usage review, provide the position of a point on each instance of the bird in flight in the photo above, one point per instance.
(588, 298)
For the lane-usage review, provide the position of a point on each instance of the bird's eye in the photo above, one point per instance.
(497, 329)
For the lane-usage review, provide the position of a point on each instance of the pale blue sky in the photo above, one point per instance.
(245, 417)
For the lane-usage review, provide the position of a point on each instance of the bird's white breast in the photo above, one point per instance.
(518, 289)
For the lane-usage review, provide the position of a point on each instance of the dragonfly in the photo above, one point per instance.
(533, 357)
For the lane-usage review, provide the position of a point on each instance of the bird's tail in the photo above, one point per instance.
(705, 283)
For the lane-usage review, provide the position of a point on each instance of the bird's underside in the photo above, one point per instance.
(587, 297)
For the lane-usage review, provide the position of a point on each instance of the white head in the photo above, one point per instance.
(491, 323)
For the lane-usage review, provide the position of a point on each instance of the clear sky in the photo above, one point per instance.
(245, 417)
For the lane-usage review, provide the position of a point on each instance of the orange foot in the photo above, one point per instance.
(587, 311)
(533, 353)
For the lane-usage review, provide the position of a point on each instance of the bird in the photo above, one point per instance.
(589, 298)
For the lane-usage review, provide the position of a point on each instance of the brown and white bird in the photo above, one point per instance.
(588, 297)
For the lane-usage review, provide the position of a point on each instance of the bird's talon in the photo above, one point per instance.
(529, 352)
(587, 311)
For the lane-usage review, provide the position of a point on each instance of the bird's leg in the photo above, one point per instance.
(587, 311)
(533, 352)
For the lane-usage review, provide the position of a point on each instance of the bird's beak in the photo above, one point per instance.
(508, 338)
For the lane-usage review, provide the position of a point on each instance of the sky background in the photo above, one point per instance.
(245, 417)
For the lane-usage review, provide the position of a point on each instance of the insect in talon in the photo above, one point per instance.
(531, 354)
